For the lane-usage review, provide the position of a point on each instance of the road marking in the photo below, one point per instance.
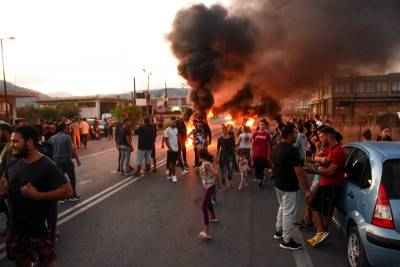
(301, 256)
(85, 182)
(97, 153)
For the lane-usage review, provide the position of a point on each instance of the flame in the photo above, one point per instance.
(229, 120)
(250, 122)
(189, 141)
(210, 114)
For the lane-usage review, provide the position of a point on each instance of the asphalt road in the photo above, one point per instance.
(149, 221)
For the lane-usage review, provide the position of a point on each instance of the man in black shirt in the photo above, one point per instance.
(32, 187)
(145, 135)
(286, 175)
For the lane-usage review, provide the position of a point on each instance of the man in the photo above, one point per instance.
(5, 156)
(63, 151)
(182, 132)
(330, 184)
(153, 148)
(287, 173)
(171, 141)
(145, 135)
(318, 121)
(125, 139)
(85, 130)
(32, 186)
(301, 143)
(76, 134)
(385, 135)
(261, 146)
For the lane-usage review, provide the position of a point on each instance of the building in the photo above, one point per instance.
(13, 92)
(172, 99)
(89, 106)
(357, 96)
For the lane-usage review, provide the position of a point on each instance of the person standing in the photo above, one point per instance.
(153, 148)
(182, 131)
(301, 143)
(226, 159)
(199, 140)
(171, 141)
(261, 152)
(286, 174)
(85, 130)
(63, 151)
(32, 186)
(330, 185)
(125, 139)
(5, 157)
(145, 135)
(76, 134)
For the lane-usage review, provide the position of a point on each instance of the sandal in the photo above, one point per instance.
(203, 235)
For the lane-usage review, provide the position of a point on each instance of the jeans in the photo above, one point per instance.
(285, 218)
(67, 166)
(226, 164)
(125, 159)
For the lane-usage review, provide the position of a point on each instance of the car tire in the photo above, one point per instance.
(355, 250)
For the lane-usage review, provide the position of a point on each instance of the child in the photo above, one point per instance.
(243, 168)
(209, 176)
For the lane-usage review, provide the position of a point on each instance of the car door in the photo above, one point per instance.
(358, 180)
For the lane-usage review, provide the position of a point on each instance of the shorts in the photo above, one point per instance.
(143, 154)
(325, 199)
(172, 156)
(37, 248)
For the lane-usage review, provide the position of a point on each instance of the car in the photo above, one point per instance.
(368, 211)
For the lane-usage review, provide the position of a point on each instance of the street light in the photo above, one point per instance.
(148, 88)
(4, 72)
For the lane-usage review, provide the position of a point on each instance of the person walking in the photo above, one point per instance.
(226, 159)
(85, 130)
(171, 141)
(287, 173)
(63, 151)
(199, 140)
(261, 146)
(182, 131)
(125, 140)
(244, 143)
(145, 135)
(32, 186)
(209, 178)
(76, 134)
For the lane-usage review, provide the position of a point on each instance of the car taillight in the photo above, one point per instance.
(383, 212)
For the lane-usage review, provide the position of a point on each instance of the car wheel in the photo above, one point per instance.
(355, 249)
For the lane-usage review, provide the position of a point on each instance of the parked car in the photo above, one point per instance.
(369, 209)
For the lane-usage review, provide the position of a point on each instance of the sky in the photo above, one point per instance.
(89, 47)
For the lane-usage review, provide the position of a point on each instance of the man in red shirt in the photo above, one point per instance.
(261, 152)
(330, 185)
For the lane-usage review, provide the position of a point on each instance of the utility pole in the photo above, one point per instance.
(4, 78)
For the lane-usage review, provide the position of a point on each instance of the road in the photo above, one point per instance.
(149, 221)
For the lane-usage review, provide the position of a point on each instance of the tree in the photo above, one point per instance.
(131, 111)
(28, 112)
(48, 113)
(68, 110)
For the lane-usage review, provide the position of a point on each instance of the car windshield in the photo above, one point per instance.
(391, 178)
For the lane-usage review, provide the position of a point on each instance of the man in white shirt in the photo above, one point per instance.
(171, 141)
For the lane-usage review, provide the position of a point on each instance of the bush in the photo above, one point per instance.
(131, 111)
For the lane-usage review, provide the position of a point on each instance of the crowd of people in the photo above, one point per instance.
(34, 166)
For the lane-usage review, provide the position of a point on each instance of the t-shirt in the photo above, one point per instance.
(27, 214)
(336, 156)
(261, 144)
(172, 135)
(226, 145)
(200, 139)
(207, 178)
(284, 158)
(85, 127)
(145, 135)
(123, 133)
(62, 146)
(245, 140)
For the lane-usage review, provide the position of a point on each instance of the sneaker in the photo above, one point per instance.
(128, 174)
(174, 179)
(256, 180)
(169, 177)
(292, 245)
(63, 201)
(306, 227)
(278, 235)
(120, 173)
(203, 235)
(75, 199)
(318, 239)
(184, 172)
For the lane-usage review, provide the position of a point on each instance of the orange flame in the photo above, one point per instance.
(250, 122)
(210, 114)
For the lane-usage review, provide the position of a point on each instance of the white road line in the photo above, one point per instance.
(98, 153)
(301, 256)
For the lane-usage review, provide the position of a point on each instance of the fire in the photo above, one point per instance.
(228, 120)
(250, 122)
(189, 141)
(210, 114)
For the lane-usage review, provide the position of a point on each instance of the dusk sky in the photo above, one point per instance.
(88, 47)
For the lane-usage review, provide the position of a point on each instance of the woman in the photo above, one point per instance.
(261, 152)
(209, 178)
(385, 135)
(244, 143)
(226, 152)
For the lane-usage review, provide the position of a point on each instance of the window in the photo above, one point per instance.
(396, 86)
(391, 178)
(381, 87)
(358, 169)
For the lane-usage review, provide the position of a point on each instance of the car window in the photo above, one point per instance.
(358, 169)
(391, 178)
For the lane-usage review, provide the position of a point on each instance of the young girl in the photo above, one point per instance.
(209, 177)
(243, 168)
